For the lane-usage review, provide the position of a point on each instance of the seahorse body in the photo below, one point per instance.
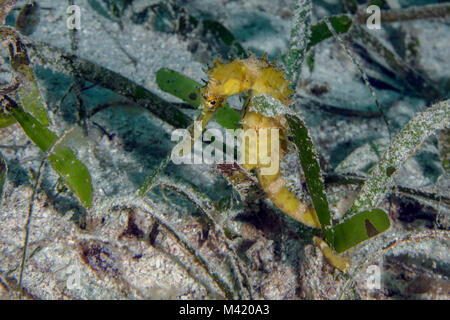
(275, 185)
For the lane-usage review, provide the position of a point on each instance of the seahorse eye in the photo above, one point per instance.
(212, 100)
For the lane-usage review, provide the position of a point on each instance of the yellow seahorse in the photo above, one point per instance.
(258, 76)
(255, 76)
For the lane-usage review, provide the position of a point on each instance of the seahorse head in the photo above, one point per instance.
(255, 75)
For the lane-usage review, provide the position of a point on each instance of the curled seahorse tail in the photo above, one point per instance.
(338, 260)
